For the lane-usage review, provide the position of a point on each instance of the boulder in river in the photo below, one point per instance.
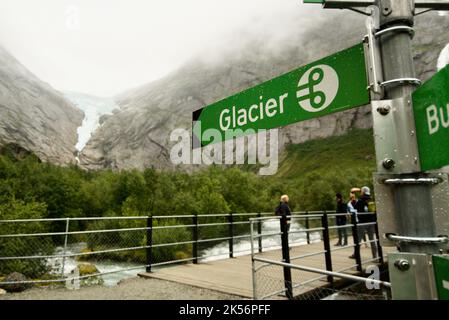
(17, 285)
(87, 269)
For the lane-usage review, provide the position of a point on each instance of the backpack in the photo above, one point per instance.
(278, 211)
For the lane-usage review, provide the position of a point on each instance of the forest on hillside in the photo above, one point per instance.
(311, 173)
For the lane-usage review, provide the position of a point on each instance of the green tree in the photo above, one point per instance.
(23, 246)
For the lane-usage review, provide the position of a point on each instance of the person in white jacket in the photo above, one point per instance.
(352, 211)
(351, 205)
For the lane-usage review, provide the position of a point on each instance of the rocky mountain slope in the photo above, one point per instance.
(34, 116)
(138, 135)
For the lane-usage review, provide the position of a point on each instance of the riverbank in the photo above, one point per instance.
(130, 289)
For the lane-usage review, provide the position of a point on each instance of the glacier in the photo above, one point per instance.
(94, 108)
(443, 59)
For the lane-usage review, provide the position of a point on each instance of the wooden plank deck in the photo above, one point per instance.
(234, 276)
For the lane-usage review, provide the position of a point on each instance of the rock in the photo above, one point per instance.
(2, 292)
(138, 135)
(181, 255)
(35, 116)
(85, 269)
(16, 287)
(86, 256)
(103, 118)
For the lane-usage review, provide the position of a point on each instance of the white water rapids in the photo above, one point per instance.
(243, 246)
(110, 279)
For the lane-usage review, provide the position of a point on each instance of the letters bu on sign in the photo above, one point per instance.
(431, 112)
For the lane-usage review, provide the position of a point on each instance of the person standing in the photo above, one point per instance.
(284, 210)
(342, 208)
(362, 205)
(351, 205)
(353, 213)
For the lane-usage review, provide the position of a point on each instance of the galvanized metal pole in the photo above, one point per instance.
(67, 226)
(408, 207)
(380, 252)
(253, 262)
(307, 227)
(413, 204)
(286, 257)
(231, 235)
(327, 245)
(195, 239)
(149, 249)
(411, 207)
(355, 236)
(259, 232)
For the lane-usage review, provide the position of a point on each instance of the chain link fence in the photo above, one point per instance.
(59, 251)
(319, 270)
(103, 250)
(271, 285)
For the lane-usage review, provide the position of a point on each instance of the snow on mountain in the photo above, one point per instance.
(95, 109)
(443, 59)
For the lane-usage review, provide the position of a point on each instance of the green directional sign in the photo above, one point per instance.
(441, 268)
(329, 85)
(431, 110)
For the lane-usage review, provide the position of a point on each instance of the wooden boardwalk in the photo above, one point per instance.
(234, 276)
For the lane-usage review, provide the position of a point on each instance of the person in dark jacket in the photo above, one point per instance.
(284, 210)
(342, 209)
(364, 218)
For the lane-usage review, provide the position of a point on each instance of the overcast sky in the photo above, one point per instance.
(103, 47)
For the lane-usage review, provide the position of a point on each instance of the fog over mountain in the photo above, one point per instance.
(34, 116)
(132, 129)
(138, 135)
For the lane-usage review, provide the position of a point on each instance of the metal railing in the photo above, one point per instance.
(50, 251)
(278, 275)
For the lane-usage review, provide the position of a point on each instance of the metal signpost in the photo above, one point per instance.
(329, 85)
(412, 204)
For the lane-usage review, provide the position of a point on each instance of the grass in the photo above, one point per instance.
(353, 151)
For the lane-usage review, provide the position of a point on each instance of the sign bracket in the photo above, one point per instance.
(395, 150)
(373, 59)
(392, 82)
(413, 181)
